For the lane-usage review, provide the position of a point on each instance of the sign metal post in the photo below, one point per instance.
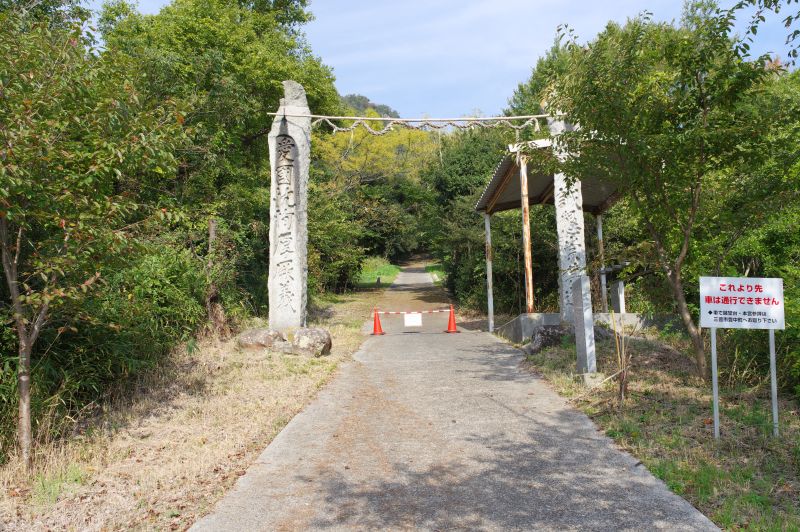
(774, 379)
(714, 380)
(742, 303)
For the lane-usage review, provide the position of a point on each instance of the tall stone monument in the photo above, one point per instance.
(569, 226)
(290, 153)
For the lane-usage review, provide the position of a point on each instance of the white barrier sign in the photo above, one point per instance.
(412, 319)
(741, 303)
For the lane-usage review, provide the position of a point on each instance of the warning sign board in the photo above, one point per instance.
(741, 303)
(412, 319)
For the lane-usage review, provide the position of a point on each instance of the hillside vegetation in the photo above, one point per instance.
(134, 187)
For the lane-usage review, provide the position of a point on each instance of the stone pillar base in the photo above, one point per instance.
(590, 380)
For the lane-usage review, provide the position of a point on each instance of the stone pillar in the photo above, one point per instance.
(290, 151)
(569, 225)
(618, 297)
(602, 253)
(571, 244)
(584, 325)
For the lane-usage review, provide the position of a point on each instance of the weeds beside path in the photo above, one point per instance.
(161, 459)
(747, 480)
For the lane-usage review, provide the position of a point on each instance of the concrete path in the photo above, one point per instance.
(433, 431)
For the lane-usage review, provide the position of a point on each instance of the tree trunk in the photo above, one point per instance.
(694, 332)
(214, 309)
(24, 385)
(9, 254)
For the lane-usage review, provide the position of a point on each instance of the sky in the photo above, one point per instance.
(449, 58)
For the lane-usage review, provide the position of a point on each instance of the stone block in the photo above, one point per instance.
(260, 338)
(584, 325)
(618, 297)
(310, 342)
(544, 337)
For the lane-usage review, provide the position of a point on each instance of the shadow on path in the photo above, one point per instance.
(442, 431)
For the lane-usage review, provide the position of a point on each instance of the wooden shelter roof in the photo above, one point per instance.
(503, 191)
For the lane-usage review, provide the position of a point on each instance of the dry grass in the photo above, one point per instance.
(747, 480)
(161, 458)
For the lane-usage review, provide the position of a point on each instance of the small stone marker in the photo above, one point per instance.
(618, 297)
(290, 147)
(584, 325)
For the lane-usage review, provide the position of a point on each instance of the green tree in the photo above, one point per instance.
(529, 95)
(465, 162)
(60, 13)
(381, 175)
(761, 8)
(361, 103)
(667, 114)
(225, 62)
(71, 126)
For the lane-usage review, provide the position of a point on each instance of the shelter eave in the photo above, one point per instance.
(497, 190)
(500, 175)
(503, 191)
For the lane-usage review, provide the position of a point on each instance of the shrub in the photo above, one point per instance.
(144, 310)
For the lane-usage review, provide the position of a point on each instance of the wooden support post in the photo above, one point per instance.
(489, 293)
(601, 249)
(526, 232)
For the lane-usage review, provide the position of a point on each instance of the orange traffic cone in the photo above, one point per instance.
(451, 323)
(376, 324)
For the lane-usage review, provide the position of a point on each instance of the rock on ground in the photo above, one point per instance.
(305, 341)
(545, 337)
(311, 342)
(260, 338)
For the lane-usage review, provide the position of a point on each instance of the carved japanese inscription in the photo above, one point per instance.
(284, 220)
(571, 244)
(569, 225)
(289, 142)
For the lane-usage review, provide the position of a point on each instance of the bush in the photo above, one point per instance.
(334, 253)
(142, 312)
